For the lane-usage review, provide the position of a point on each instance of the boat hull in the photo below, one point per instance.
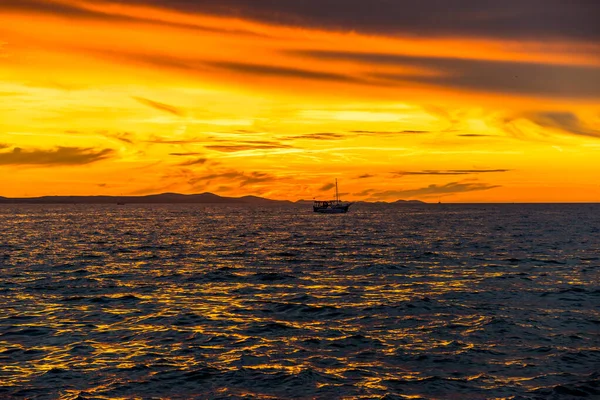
(331, 210)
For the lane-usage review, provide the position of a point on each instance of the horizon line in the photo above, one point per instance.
(133, 196)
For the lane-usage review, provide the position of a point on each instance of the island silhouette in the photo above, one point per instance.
(166, 198)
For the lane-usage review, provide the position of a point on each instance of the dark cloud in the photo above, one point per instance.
(4, 146)
(326, 187)
(196, 67)
(365, 176)
(160, 106)
(474, 135)
(435, 190)
(285, 72)
(185, 154)
(390, 133)
(525, 78)
(317, 136)
(125, 137)
(196, 161)
(73, 11)
(58, 156)
(564, 121)
(528, 19)
(450, 172)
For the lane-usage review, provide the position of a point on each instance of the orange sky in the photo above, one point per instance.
(129, 98)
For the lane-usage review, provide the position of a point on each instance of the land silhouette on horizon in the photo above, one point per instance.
(165, 198)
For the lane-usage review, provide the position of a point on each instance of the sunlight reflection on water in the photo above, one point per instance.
(451, 301)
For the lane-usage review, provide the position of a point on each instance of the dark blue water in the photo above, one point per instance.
(193, 301)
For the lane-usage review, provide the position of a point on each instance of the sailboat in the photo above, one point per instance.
(332, 206)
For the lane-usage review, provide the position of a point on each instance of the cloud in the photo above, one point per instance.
(110, 14)
(160, 106)
(278, 71)
(435, 190)
(231, 176)
(326, 187)
(365, 176)
(407, 132)
(234, 148)
(317, 136)
(185, 154)
(162, 140)
(474, 135)
(564, 121)
(525, 78)
(200, 67)
(58, 156)
(125, 137)
(450, 172)
(196, 161)
(364, 192)
(533, 19)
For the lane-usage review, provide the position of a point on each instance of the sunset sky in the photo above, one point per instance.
(458, 101)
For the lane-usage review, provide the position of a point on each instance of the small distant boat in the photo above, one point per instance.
(332, 206)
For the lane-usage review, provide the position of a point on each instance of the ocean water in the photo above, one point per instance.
(209, 302)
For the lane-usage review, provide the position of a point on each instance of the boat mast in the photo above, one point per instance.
(337, 196)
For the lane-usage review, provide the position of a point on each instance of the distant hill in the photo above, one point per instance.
(167, 198)
(409, 202)
(172, 198)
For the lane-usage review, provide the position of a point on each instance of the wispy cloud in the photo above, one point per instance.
(196, 161)
(125, 137)
(407, 132)
(234, 148)
(231, 176)
(326, 187)
(58, 156)
(185, 154)
(474, 135)
(364, 192)
(280, 71)
(317, 136)
(509, 19)
(450, 172)
(522, 78)
(565, 121)
(111, 14)
(160, 106)
(163, 140)
(434, 190)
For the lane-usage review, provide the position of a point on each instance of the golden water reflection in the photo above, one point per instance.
(190, 307)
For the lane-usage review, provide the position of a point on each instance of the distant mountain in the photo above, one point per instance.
(168, 198)
(174, 198)
(409, 202)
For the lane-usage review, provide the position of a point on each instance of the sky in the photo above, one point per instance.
(452, 101)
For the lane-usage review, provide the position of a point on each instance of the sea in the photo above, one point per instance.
(435, 301)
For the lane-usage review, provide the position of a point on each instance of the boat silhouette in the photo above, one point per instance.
(332, 206)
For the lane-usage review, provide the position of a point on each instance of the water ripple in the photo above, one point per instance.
(174, 301)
